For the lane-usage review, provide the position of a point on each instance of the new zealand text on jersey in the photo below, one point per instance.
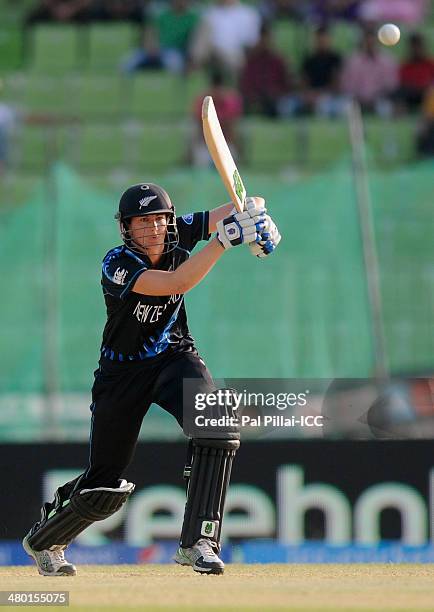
(149, 313)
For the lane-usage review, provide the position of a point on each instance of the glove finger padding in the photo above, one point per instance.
(268, 239)
(258, 222)
(270, 231)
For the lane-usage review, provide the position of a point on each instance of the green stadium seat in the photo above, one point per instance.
(391, 142)
(96, 97)
(54, 48)
(428, 31)
(158, 94)
(345, 37)
(109, 44)
(196, 84)
(37, 145)
(270, 144)
(100, 147)
(289, 39)
(11, 47)
(29, 148)
(162, 146)
(326, 142)
(36, 93)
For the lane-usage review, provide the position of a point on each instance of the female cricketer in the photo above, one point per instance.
(146, 354)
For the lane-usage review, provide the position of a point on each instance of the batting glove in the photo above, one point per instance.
(241, 228)
(268, 240)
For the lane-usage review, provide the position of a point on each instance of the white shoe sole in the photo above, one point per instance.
(42, 572)
(200, 570)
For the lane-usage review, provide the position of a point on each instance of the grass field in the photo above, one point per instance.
(265, 587)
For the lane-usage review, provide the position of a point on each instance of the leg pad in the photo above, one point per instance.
(206, 493)
(65, 519)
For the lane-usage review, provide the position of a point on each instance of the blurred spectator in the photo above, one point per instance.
(167, 40)
(281, 9)
(265, 78)
(405, 11)
(7, 123)
(61, 11)
(119, 10)
(371, 76)
(12, 118)
(226, 30)
(324, 11)
(320, 75)
(425, 137)
(229, 108)
(416, 73)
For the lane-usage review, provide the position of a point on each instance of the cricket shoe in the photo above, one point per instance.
(201, 557)
(50, 562)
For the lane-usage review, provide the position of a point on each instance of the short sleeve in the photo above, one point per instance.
(192, 228)
(120, 270)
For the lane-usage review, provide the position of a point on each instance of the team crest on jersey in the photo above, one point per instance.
(188, 218)
(145, 201)
(119, 276)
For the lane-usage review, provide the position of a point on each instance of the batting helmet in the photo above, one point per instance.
(146, 199)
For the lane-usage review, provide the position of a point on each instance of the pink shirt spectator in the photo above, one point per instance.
(369, 78)
(404, 11)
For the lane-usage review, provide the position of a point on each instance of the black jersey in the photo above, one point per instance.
(139, 326)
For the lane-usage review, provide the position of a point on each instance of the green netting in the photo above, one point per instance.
(23, 325)
(404, 221)
(304, 312)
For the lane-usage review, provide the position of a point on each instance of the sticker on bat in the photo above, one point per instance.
(238, 184)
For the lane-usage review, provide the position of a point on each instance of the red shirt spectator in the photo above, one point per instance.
(416, 75)
(416, 72)
(264, 78)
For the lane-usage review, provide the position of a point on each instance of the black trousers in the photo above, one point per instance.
(121, 396)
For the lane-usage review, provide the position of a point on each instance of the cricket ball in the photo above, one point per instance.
(389, 34)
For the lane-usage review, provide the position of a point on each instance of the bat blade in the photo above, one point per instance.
(221, 155)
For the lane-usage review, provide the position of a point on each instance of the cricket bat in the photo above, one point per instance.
(221, 155)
